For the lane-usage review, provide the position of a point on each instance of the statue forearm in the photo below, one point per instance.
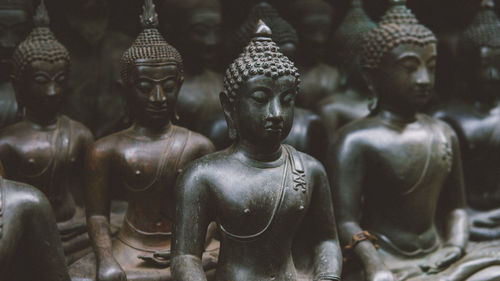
(187, 268)
(99, 231)
(364, 250)
(328, 260)
(457, 228)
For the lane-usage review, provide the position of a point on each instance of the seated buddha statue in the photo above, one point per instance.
(313, 20)
(351, 101)
(15, 20)
(139, 164)
(259, 191)
(46, 149)
(30, 247)
(195, 27)
(475, 116)
(397, 175)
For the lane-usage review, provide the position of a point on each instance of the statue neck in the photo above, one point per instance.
(151, 132)
(396, 116)
(269, 153)
(41, 120)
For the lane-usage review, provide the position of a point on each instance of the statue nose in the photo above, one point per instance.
(158, 96)
(52, 90)
(423, 78)
(275, 110)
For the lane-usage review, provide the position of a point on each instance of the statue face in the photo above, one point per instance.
(202, 36)
(486, 74)
(405, 76)
(14, 27)
(263, 109)
(89, 20)
(314, 31)
(42, 86)
(152, 92)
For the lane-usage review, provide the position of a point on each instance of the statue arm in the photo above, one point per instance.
(346, 170)
(328, 256)
(453, 202)
(192, 219)
(46, 247)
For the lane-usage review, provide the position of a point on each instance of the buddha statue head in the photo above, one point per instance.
(348, 39)
(15, 24)
(284, 35)
(479, 54)
(195, 28)
(151, 74)
(40, 66)
(259, 92)
(398, 60)
(313, 20)
(87, 19)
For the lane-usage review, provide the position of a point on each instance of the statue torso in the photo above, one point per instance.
(258, 217)
(478, 130)
(316, 83)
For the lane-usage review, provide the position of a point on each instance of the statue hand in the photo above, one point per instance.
(442, 259)
(379, 274)
(110, 270)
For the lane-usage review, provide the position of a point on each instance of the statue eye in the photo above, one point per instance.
(41, 79)
(144, 86)
(61, 78)
(169, 85)
(410, 64)
(259, 96)
(288, 97)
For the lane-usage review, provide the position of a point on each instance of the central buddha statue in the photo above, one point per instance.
(259, 191)
(352, 100)
(397, 175)
(139, 164)
(46, 149)
(475, 116)
(313, 20)
(30, 247)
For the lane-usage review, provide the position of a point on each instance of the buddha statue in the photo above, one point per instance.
(30, 247)
(15, 21)
(259, 191)
(475, 116)
(195, 27)
(351, 101)
(313, 20)
(46, 149)
(396, 175)
(139, 164)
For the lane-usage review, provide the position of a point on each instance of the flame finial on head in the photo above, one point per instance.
(149, 17)
(41, 18)
(262, 30)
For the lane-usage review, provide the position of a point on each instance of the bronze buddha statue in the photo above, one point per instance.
(15, 22)
(351, 101)
(397, 173)
(259, 191)
(195, 27)
(313, 20)
(139, 164)
(30, 247)
(475, 116)
(46, 149)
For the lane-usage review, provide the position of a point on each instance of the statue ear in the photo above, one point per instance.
(368, 76)
(228, 108)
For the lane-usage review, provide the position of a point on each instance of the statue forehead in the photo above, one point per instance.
(156, 69)
(425, 52)
(277, 83)
(204, 15)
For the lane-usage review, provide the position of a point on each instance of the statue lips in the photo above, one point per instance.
(156, 111)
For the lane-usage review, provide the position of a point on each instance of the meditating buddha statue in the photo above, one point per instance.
(396, 175)
(351, 101)
(30, 247)
(139, 164)
(313, 20)
(46, 149)
(259, 191)
(15, 22)
(475, 116)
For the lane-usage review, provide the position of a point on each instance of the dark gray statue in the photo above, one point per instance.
(259, 191)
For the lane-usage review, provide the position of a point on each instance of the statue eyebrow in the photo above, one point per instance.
(158, 80)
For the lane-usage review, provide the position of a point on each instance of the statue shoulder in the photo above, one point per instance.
(358, 133)
(196, 141)
(24, 197)
(441, 125)
(104, 147)
(80, 130)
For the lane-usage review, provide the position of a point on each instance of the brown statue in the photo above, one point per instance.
(196, 30)
(30, 247)
(475, 115)
(15, 22)
(313, 20)
(46, 149)
(351, 101)
(397, 175)
(140, 164)
(259, 191)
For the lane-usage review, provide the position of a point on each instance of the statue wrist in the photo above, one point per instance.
(324, 276)
(451, 245)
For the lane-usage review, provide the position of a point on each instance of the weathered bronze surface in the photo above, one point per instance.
(46, 149)
(258, 191)
(475, 115)
(397, 173)
(140, 164)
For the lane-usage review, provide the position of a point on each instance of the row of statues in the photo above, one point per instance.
(270, 171)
